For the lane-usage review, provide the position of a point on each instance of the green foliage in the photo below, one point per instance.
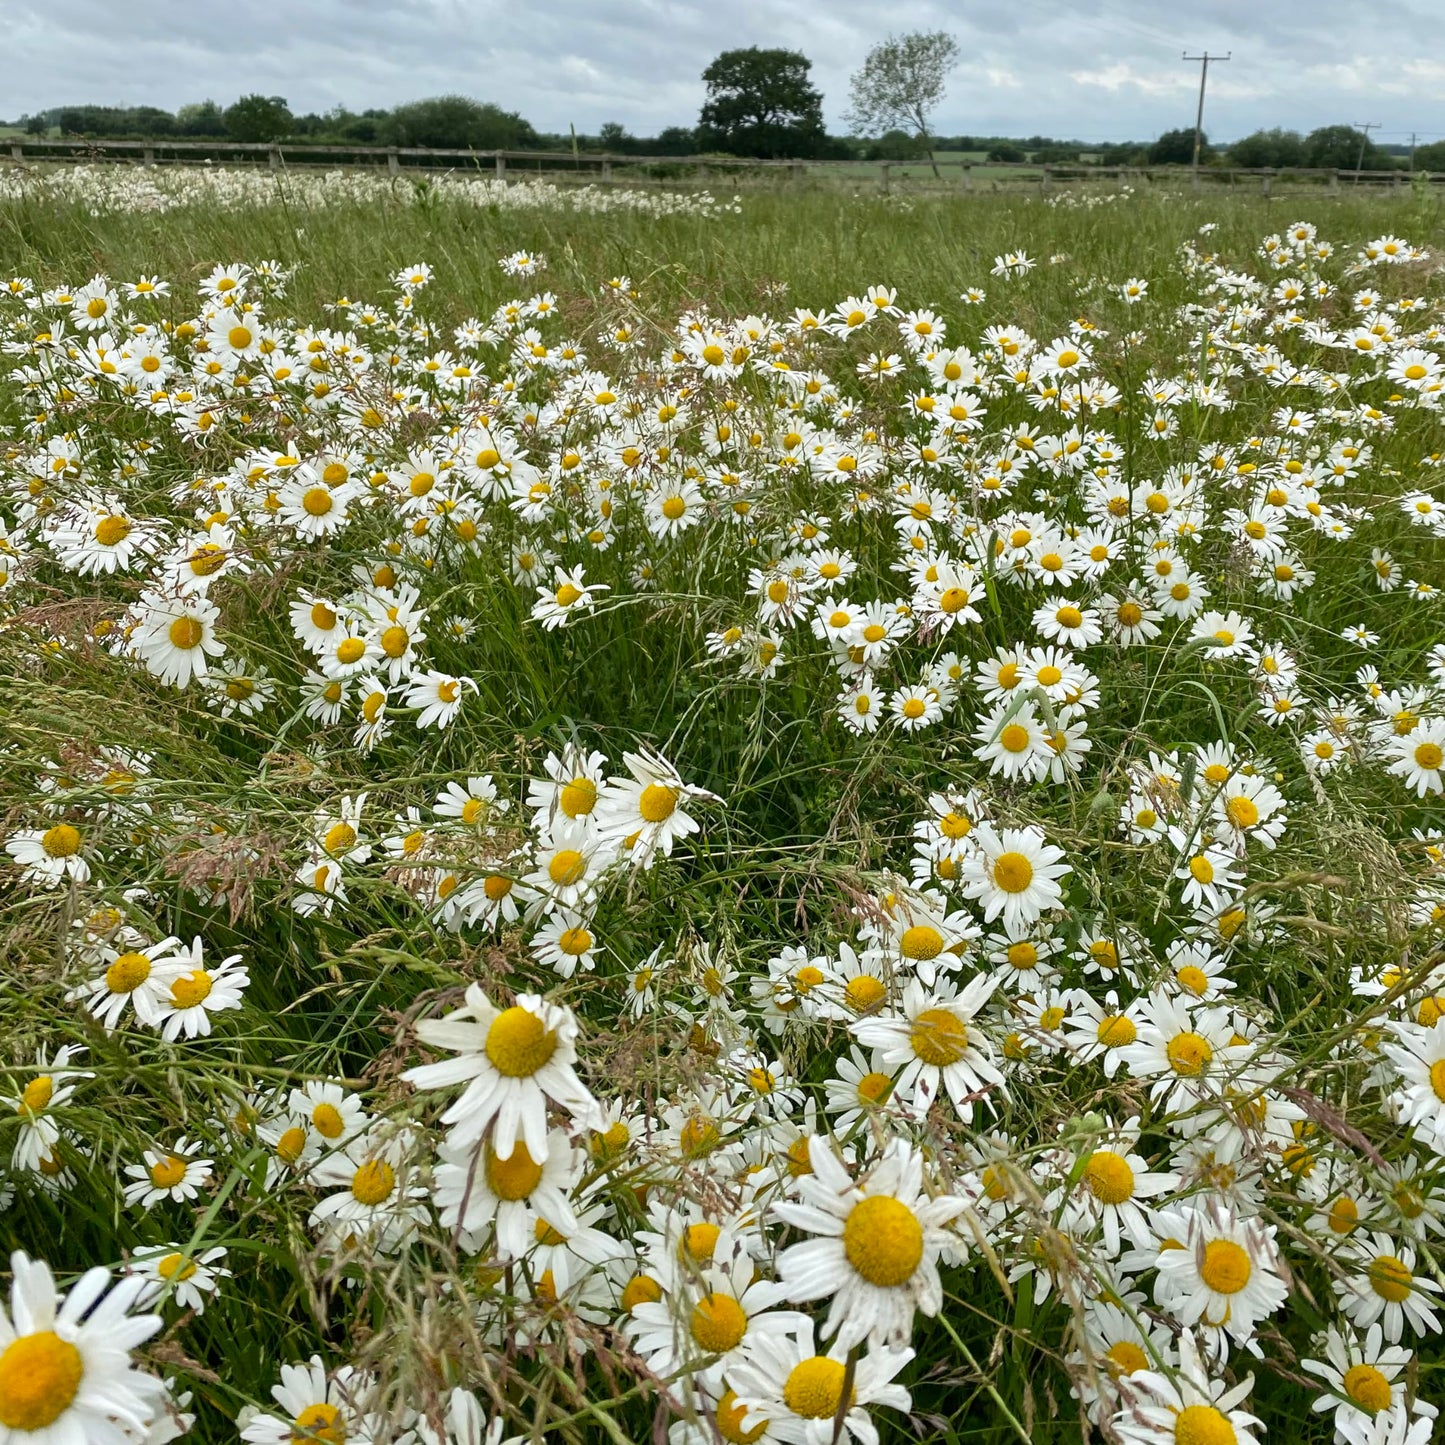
(455, 122)
(761, 103)
(1176, 148)
(1269, 148)
(258, 118)
(902, 81)
(1342, 147)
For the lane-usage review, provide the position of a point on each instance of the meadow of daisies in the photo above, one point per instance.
(800, 818)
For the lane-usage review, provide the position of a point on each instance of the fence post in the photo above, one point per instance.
(883, 170)
(965, 176)
(1043, 180)
(1264, 185)
(1335, 182)
(797, 171)
(501, 167)
(393, 161)
(148, 156)
(606, 169)
(274, 156)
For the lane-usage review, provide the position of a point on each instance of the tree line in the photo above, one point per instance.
(759, 103)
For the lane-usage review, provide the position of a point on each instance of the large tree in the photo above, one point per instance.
(454, 122)
(1176, 148)
(1269, 148)
(901, 83)
(1344, 148)
(761, 103)
(258, 118)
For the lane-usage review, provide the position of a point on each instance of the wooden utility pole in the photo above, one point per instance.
(1364, 127)
(1199, 114)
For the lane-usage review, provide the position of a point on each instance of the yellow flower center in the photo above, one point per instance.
(1226, 1268)
(1050, 675)
(1201, 869)
(1108, 1177)
(316, 502)
(352, 649)
(718, 1323)
(519, 1043)
(730, 1417)
(168, 1172)
(327, 1121)
(1203, 1425)
(514, 1177)
(874, 1088)
(191, 989)
(176, 1266)
(953, 599)
(673, 508)
(496, 887)
(339, 837)
(1391, 1278)
(1069, 617)
(657, 802)
(699, 1136)
(915, 707)
(1429, 756)
(883, 1241)
(127, 973)
(111, 530)
(1189, 1054)
(921, 942)
(1194, 979)
(1130, 614)
(1014, 738)
(567, 594)
(36, 1094)
(1124, 1357)
(939, 1037)
(1012, 872)
(1242, 812)
(567, 867)
(395, 641)
(1115, 1031)
(40, 1375)
(578, 797)
(814, 1388)
(290, 1144)
(640, 1289)
(373, 1182)
(863, 992)
(186, 633)
(574, 942)
(698, 1242)
(1368, 1388)
(319, 1423)
(61, 841)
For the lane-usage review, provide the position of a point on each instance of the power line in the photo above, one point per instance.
(1364, 127)
(1199, 114)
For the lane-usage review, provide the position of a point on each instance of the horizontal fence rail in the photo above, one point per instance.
(964, 175)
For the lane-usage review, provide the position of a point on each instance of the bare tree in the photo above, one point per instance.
(901, 82)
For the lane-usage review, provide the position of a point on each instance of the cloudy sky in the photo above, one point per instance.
(1094, 69)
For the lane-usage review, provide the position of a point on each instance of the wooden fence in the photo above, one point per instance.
(959, 175)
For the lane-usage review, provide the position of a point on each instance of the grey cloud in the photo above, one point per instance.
(1101, 69)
